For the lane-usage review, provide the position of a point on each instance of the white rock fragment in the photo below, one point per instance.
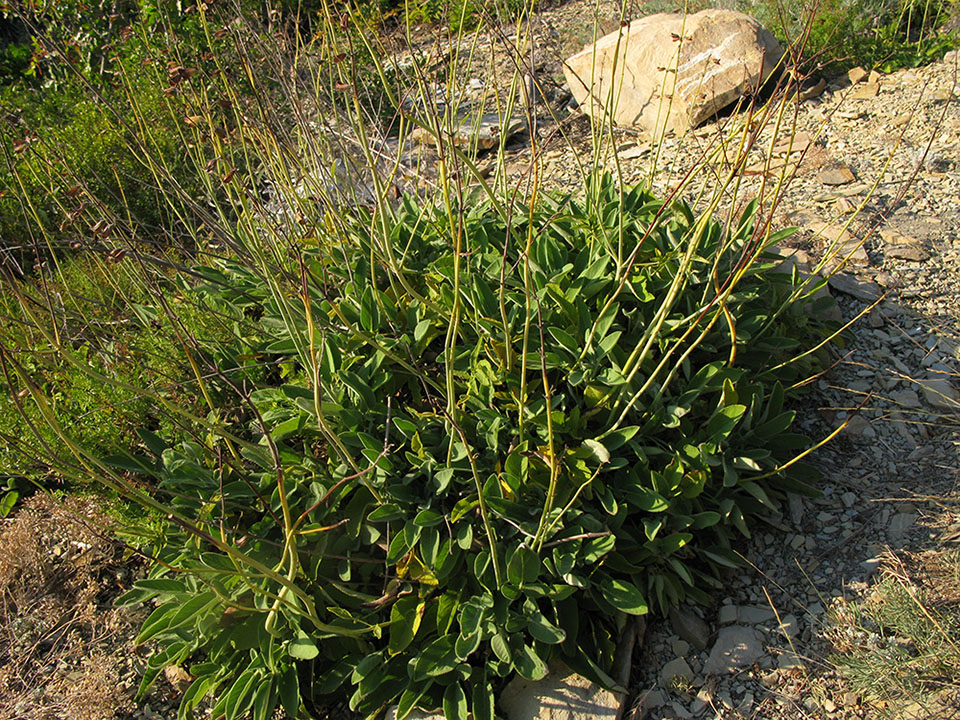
(754, 615)
(736, 647)
(938, 390)
(561, 695)
(899, 525)
(677, 670)
(727, 615)
(690, 627)
(862, 290)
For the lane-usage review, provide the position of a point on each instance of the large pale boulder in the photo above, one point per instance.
(669, 72)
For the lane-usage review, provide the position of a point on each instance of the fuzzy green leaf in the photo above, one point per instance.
(624, 596)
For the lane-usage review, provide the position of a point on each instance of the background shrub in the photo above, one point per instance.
(839, 34)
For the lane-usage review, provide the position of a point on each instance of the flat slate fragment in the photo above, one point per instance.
(860, 289)
(836, 176)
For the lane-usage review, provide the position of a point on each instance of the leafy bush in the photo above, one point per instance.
(481, 458)
(838, 34)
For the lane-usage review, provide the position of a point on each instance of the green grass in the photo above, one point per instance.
(898, 648)
(836, 35)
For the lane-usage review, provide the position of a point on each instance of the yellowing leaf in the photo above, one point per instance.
(411, 568)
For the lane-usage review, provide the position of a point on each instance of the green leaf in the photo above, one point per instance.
(565, 339)
(398, 547)
(482, 704)
(193, 696)
(385, 513)
(746, 463)
(430, 546)
(599, 451)
(131, 463)
(302, 647)
(264, 701)
(609, 342)
(681, 570)
(464, 536)
(500, 647)
(447, 607)
(166, 656)
(405, 426)
(674, 541)
(369, 311)
(289, 690)
(464, 647)
(420, 331)
(405, 617)
(455, 703)
(596, 270)
(596, 548)
(523, 567)
(619, 438)
(624, 596)
(157, 622)
(529, 664)
(437, 658)
(409, 699)
(545, 631)
(705, 519)
(161, 585)
(192, 609)
(722, 557)
(759, 493)
(723, 421)
(240, 697)
(154, 443)
(774, 427)
(647, 500)
(472, 614)
(428, 518)
(8, 502)
(462, 507)
(652, 526)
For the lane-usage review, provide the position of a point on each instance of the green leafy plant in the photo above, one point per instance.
(881, 34)
(480, 459)
(434, 442)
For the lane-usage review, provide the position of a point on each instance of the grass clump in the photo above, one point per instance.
(898, 648)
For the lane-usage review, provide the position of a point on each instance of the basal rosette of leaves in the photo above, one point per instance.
(476, 462)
